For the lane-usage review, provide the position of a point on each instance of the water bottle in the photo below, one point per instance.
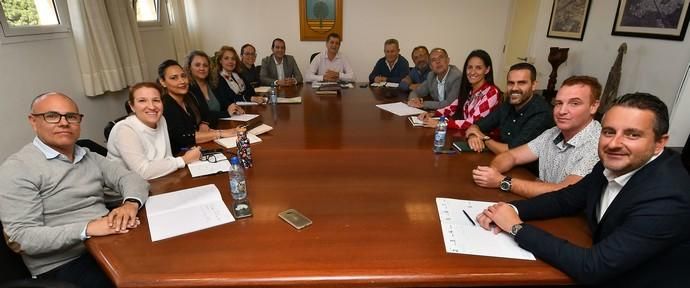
(238, 185)
(244, 149)
(440, 134)
(273, 94)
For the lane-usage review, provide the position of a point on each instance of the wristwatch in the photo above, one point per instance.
(486, 138)
(515, 229)
(506, 184)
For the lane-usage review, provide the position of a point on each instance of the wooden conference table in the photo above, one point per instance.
(367, 179)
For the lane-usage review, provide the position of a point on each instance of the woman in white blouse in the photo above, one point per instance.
(141, 142)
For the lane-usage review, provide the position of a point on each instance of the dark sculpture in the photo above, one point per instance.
(611, 88)
(556, 57)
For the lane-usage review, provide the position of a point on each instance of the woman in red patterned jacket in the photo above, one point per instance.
(478, 94)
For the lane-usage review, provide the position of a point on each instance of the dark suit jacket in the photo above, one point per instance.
(269, 72)
(643, 239)
(182, 126)
(226, 96)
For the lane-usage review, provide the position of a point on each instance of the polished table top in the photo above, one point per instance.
(365, 177)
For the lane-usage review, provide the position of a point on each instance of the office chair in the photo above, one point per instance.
(685, 155)
(311, 59)
(93, 146)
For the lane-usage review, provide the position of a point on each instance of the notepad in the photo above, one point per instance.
(231, 142)
(185, 211)
(400, 109)
(418, 123)
(202, 168)
(463, 237)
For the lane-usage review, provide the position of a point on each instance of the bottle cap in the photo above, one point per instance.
(443, 118)
(234, 160)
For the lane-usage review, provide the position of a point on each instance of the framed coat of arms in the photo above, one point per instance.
(318, 18)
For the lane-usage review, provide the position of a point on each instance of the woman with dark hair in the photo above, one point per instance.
(198, 69)
(188, 119)
(230, 86)
(140, 142)
(248, 70)
(477, 91)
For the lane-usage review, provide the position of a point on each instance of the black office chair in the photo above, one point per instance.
(311, 59)
(12, 263)
(93, 146)
(685, 155)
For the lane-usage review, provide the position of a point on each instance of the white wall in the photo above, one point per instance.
(458, 26)
(33, 67)
(651, 65)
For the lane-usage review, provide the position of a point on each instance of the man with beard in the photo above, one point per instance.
(635, 201)
(418, 73)
(566, 153)
(519, 120)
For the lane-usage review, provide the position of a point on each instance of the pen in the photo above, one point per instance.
(468, 217)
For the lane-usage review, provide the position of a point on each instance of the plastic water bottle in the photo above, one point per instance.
(273, 94)
(440, 134)
(238, 184)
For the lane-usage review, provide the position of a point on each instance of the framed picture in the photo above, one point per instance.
(666, 19)
(568, 19)
(318, 18)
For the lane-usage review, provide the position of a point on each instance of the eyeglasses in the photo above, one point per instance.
(211, 158)
(250, 54)
(55, 117)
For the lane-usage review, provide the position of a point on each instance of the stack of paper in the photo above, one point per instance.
(231, 142)
(202, 168)
(463, 236)
(418, 123)
(400, 109)
(186, 211)
(385, 84)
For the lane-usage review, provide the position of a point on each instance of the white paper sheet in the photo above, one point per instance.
(246, 103)
(262, 89)
(231, 142)
(201, 168)
(460, 236)
(258, 130)
(385, 84)
(400, 109)
(242, 117)
(184, 211)
(291, 100)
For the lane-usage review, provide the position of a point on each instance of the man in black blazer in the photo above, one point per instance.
(636, 201)
(270, 75)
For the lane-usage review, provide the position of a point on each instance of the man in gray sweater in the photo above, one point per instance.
(51, 196)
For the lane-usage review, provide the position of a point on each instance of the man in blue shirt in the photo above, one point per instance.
(392, 68)
(417, 75)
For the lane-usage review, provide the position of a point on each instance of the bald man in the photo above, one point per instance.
(52, 198)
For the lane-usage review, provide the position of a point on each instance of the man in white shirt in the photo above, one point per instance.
(636, 202)
(566, 153)
(330, 65)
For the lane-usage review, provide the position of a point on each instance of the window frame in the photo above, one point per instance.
(9, 32)
(152, 23)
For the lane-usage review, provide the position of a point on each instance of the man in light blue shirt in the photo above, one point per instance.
(52, 197)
